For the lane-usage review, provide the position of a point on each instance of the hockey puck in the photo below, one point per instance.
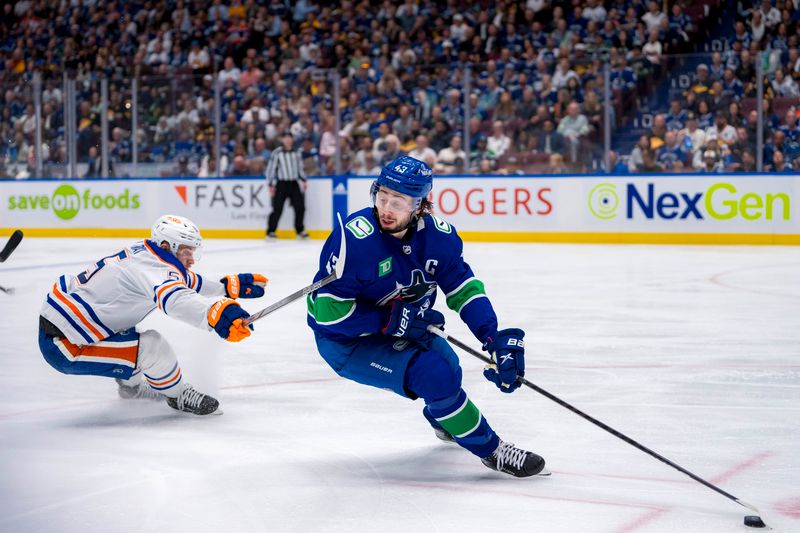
(754, 521)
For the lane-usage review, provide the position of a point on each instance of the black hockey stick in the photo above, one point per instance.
(594, 421)
(11, 245)
(338, 269)
(7, 290)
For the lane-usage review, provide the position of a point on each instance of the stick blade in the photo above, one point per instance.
(339, 267)
(11, 245)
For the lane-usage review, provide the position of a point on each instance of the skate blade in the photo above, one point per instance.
(544, 473)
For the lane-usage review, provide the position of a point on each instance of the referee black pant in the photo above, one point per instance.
(291, 190)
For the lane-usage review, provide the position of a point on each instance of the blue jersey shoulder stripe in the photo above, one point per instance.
(58, 308)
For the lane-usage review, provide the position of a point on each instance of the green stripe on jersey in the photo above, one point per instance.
(327, 309)
(462, 422)
(469, 290)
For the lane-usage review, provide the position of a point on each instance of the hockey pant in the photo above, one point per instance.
(127, 355)
(433, 375)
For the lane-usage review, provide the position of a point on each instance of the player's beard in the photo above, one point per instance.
(393, 224)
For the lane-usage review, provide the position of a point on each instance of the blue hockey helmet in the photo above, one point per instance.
(406, 175)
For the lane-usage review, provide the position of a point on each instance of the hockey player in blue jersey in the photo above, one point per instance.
(371, 324)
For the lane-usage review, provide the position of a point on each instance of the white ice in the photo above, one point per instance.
(692, 351)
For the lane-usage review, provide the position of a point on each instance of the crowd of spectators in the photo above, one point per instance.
(533, 71)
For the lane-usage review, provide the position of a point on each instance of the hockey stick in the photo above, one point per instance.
(7, 290)
(11, 245)
(619, 435)
(338, 269)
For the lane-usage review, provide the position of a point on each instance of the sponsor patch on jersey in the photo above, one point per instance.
(385, 266)
(360, 227)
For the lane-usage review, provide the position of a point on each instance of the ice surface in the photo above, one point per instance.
(692, 351)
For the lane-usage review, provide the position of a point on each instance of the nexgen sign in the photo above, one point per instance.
(720, 201)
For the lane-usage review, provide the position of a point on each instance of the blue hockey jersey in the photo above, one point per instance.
(380, 268)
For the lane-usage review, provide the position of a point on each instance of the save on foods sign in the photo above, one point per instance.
(66, 201)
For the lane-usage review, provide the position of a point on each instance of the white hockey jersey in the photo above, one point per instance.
(118, 291)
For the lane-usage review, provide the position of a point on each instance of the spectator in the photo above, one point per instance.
(404, 124)
(286, 179)
(779, 164)
(748, 162)
(498, 142)
(650, 162)
(653, 17)
(240, 166)
(369, 168)
(392, 150)
(198, 59)
(636, 159)
(422, 151)
(616, 165)
(573, 127)
(672, 156)
(549, 141)
(311, 159)
(691, 136)
(563, 73)
(722, 130)
(712, 145)
(711, 164)
(652, 50)
(784, 85)
(230, 74)
(451, 160)
(182, 170)
(556, 164)
(772, 16)
(482, 152)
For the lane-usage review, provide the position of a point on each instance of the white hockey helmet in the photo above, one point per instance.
(176, 230)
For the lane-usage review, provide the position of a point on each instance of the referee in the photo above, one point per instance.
(286, 179)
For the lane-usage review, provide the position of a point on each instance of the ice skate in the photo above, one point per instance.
(140, 391)
(514, 461)
(443, 435)
(193, 401)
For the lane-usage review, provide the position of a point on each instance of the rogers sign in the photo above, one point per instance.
(497, 201)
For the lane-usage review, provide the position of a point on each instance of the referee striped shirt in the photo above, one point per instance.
(285, 166)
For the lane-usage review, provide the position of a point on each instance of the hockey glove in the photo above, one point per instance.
(244, 285)
(508, 354)
(226, 317)
(409, 321)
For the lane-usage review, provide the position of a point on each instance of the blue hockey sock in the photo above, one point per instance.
(435, 376)
(459, 416)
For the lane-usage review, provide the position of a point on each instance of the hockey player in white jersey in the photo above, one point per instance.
(87, 322)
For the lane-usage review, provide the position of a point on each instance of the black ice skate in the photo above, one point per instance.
(443, 434)
(140, 391)
(194, 401)
(515, 461)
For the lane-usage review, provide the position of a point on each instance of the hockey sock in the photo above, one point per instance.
(159, 364)
(462, 419)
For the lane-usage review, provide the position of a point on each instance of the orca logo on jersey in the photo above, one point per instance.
(418, 288)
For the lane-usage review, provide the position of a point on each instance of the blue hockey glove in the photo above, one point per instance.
(244, 285)
(508, 353)
(409, 321)
(227, 319)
